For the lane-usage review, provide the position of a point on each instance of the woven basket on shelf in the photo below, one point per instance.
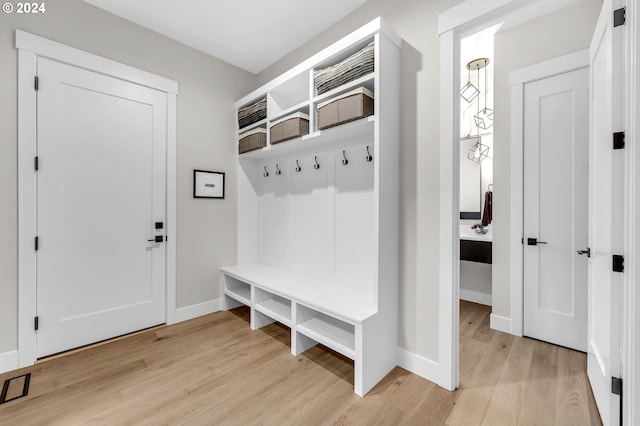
(252, 140)
(348, 107)
(290, 127)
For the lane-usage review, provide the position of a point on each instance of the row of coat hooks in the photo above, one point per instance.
(316, 165)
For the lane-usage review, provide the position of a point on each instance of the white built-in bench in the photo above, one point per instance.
(316, 310)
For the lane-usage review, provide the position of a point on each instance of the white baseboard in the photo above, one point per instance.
(421, 366)
(500, 323)
(8, 361)
(475, 297)
(198, 310)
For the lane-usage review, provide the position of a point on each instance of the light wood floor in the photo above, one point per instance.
(215, 370)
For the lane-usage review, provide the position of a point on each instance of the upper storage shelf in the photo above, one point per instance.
(348, 65)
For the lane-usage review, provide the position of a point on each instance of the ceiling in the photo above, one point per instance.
(251, 34)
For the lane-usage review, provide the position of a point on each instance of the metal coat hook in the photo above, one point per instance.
(344, 156)
(278, 171)
(266, 173)
(298, 168)
(316, 166)
(368, 157)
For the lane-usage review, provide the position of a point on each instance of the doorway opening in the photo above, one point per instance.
(476, 153)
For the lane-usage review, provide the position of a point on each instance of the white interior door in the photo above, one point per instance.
(556, 168)
(101, 189)
(605, 211)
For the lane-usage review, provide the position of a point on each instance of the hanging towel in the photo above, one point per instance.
(487, 213)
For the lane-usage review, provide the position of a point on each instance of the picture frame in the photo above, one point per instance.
(208, 184)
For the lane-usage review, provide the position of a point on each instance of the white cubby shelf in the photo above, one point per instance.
(318, 215)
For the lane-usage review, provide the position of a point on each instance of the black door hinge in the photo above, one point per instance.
(36, 323)
(616, 386)
(618, 140)
(618, 263)
(36, 164)
(619, 17)
(36, 83)
(37, 243)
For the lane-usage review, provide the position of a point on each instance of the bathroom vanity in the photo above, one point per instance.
(475, 247)
(475, 264)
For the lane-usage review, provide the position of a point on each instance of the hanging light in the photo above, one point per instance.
(469, 92)
(484, 117)
(478, 152)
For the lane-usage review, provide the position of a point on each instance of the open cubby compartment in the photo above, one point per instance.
(302, 107)
(238, 290)
(330, 331)
(341, 56)
(273, 306)
(262, 124)
(259, 123)
(288, 96)
(368, 81)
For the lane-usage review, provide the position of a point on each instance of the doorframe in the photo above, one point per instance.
(31, 47)
(462, 20)
(453, 24)
(517, 79)
(631, 304)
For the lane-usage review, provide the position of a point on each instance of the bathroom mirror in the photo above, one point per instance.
(475, 178)
(470, 182)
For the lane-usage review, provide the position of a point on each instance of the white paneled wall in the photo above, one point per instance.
(318, 220)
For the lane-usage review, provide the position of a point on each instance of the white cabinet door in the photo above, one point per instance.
(556, 171)
(101, 189)
(605, 212)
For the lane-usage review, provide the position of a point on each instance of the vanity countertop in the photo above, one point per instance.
(466, 233)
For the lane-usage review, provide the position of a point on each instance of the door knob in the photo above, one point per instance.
(534, 242)
(157, 239)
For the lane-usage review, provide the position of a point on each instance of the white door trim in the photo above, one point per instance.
(631, 297)
(452, 26)
(30, 47)
(518, 79)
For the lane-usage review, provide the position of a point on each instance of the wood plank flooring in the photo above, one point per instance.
(216, 370)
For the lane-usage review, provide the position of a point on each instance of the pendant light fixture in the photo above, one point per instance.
(478, 151)
(469, 92)
(484, 117)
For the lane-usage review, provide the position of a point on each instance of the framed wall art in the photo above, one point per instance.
(208, 184)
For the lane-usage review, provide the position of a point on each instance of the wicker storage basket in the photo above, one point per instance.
(254, 139)
(348, 107)
(252, 113)
(352, 68)
(289, 127)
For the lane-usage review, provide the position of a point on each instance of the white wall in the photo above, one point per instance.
(416, 22)
(560, 33)
(475, 282)
(205, 134)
